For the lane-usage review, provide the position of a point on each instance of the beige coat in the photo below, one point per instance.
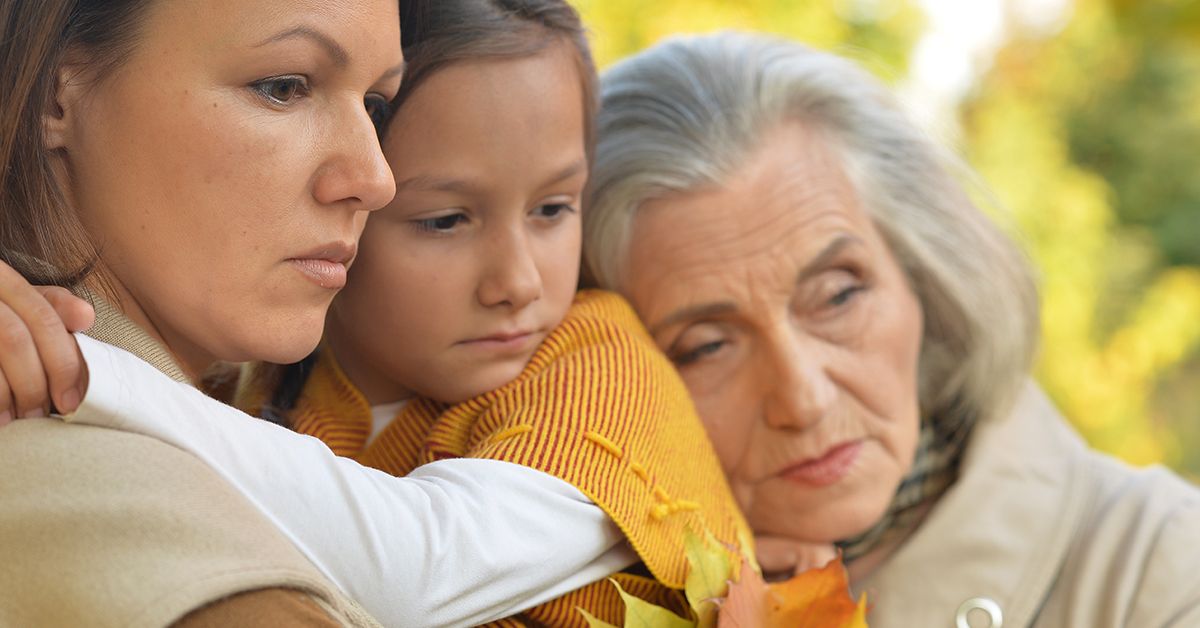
(105, 528)
(1050, 534)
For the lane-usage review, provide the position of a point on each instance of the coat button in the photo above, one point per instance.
(975, 610)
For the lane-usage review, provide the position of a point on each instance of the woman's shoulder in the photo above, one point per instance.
(1137, 546)
(160, 530)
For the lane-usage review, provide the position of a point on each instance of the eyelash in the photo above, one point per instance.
(379, 109)
(431, 225)
(688, 357)
(382, 112)
(265, 87)
(844, 296)
(561, 208)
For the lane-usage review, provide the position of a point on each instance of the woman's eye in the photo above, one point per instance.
(845, 295)
(689, 356)
(379, 109)
(553, 210)
(282, 90)
(439, 224)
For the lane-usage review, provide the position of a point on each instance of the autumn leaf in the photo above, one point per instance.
(721, 597)
(708, 576)
(642, 614)
(592, 621)
(817, 598)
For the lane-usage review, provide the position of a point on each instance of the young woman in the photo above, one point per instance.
(203, 171)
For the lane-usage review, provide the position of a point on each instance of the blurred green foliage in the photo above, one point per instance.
(1091, 138)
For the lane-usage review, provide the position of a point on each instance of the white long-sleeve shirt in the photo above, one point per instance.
(455, 543)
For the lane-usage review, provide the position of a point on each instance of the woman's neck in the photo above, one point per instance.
(862, 567)
(191, 359)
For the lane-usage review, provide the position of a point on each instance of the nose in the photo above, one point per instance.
(355, 173)
(512, 278)
(800, 392)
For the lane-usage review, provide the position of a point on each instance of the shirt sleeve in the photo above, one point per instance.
(455, 543)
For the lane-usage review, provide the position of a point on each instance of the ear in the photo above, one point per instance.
(60, 116)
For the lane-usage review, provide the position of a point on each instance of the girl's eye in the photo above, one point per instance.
(553, 210)
(379, 109)
(684, 358)
(439, 224)
(282, 90)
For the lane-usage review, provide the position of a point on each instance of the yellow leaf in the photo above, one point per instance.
(708, 576)
(859, 620)
(746, 545)
(641, 614)
(592, 621)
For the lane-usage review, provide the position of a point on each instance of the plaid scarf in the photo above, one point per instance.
(935, 469)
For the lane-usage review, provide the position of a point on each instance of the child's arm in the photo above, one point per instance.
(458, 542)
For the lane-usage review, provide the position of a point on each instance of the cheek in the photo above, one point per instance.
(726, 420)
(560, 267)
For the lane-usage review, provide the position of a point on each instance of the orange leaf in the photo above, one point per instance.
(818, 598)
(745, 605)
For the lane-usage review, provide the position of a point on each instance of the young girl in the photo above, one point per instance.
(460, 333)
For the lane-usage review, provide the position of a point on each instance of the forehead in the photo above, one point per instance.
(369, 27)
(762, 224)
(525, 107)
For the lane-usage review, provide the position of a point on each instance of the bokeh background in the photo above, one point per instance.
(1083, 116)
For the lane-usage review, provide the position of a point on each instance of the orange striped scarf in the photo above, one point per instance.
(598, 406)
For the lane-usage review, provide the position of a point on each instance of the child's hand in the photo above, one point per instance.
(40, 363)
(782, 558)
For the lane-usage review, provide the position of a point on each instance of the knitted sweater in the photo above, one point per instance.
(598, 405)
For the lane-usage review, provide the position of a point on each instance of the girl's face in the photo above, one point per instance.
(476, 259)
(225, 170)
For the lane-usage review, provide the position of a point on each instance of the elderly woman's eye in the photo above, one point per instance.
(282, 90)
(844, 295)
(689, 356)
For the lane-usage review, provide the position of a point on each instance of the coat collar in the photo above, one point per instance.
(1000, 533)
(114, 328)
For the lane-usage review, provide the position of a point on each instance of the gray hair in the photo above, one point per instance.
(688, 112)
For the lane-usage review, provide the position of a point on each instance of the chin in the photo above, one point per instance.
(283, 344)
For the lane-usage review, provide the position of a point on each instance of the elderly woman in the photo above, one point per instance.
(857, 337)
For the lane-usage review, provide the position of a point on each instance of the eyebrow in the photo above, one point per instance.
(332, 48)
(719, 308)
(577, 167)
(437, 184)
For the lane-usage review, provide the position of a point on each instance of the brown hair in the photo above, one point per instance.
(439, 33)
(40, 235)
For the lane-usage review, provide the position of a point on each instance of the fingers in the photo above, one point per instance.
(40, 360)
(76, 314)
(781, 558)
(26, 392)
(6, 415)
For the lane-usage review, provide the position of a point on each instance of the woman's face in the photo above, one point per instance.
(226, 168)
(795, 331)
(476, 259)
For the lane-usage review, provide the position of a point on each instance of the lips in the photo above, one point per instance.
(506, 343)
(826, 469)
(326, 265)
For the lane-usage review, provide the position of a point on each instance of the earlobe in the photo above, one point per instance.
(58, 118)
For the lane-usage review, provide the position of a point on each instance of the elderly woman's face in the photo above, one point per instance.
(795, 331)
